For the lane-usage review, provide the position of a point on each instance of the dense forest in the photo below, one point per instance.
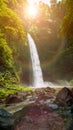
(52, 30)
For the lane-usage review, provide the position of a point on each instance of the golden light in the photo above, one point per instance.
(32, 11)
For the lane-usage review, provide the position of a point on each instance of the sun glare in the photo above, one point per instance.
(32, 11)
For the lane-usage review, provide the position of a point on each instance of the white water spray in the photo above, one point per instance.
(37, 71)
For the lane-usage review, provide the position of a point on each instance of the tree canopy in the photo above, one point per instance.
(11, 32)
(51, 30)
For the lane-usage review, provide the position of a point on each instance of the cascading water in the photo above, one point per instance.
(37, 71)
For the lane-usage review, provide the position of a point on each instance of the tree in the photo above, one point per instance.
(66, 59)
(5, 54)
(10, 23)
(68, 19)
(12, 33)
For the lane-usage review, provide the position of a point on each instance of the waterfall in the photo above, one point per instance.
(36, 68)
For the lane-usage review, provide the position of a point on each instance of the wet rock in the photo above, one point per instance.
(64, 97)
(42, 102)
(44, 91)
(18, 115)
(53, 106)
(13, 99)
(48, 89)
(22, 95)
(6, 120)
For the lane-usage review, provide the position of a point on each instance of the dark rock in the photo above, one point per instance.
(71, 126)
(64, 97)
(13, 99)
(72, 91)
(1, 100)
(72, 110)
(18, 115)
(6, 120)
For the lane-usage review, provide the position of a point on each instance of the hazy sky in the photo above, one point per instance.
(45, 1)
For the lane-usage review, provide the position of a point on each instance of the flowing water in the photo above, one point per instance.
(36, 68)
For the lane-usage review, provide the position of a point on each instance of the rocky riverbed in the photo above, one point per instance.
(42, 109)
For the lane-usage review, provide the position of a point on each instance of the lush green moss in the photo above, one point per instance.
(12, 90)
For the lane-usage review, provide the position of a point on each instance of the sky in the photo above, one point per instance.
(45, 1)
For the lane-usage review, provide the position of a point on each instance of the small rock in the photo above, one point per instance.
(53, 106)
(41, 102)
(6, 120)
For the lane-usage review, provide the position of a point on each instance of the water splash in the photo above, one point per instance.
(36, 68)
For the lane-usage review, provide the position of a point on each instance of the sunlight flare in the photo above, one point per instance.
(32, 11)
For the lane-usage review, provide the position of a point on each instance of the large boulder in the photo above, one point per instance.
(6, 120)
(64, 97)
(41, 118)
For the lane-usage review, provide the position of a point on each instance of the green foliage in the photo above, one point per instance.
(27, 89)
(11, 35)
(7, 79)
(5, 54)
(10, 24)
(13, 89)
(5, 91)
(71, 82)
(65, 62)
(8, 75)
(68, 19)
